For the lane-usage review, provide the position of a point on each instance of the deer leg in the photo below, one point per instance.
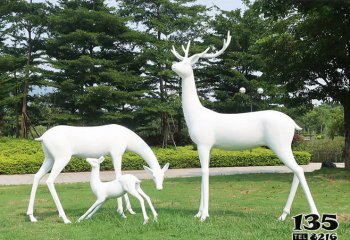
(286, 155)
(92, 209)
(293, 190)
(120, 208)
(58, 166)
(199, 214)
(300, 173)
(135, 193)
(117, 163)
(128, 205)
(93, 212)
(145, 196)
(204, 156)
(45, 168)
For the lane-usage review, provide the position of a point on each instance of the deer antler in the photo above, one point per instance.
(213, 55)
(186, 51)
(176, 54)
(202, 54)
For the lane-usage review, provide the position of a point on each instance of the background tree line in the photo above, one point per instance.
(83, 62)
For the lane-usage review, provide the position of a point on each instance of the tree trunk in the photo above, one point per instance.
(347, 134)
(17, 109)
(179, 128)
(17, 120)
(26, 82)
(162, 87)
(1, 122)
(24, 109)
(165, 130)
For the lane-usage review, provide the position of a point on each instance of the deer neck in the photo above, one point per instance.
(190, 100)
(95, 180)
(140, 147)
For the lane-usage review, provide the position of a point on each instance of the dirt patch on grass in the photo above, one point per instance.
(344, 217)
(24, 202)
(18, 202)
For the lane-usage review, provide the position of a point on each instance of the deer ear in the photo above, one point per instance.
(165, 168)
(101, 159)
(148, 169)
(195, 58)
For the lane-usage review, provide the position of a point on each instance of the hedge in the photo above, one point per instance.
(25, 156)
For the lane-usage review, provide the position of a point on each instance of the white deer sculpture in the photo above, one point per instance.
(104, 190)
(210, 129)
(60, 143)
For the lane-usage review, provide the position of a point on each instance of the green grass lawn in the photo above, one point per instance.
(241, 207)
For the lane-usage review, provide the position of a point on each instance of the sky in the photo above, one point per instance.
(222, 4)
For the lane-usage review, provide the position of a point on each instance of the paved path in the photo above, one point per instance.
(171, 173)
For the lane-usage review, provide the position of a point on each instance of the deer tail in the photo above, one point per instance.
(297, 127)
(40, 139)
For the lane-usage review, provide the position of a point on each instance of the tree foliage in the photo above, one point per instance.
(325, 119)
(239, 66)
(94, 74)
(23, 25)
(163, 22)
(100, 64)
(307, 50)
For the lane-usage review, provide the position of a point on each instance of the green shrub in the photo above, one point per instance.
(327, 144)
(26, 156)
(326, 149)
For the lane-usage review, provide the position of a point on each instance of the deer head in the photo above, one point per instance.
(184, 67)
(158, 175)
(95, 162)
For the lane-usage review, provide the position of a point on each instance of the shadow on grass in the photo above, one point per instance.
(173, 212)
(74, 214)
(332, 174)
(192, 212)
(43, 215)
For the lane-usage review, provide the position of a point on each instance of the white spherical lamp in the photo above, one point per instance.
(260, 91)
(242, 90)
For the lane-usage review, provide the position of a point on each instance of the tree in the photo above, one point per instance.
(308, 51)
(163, 23)
(325, 119)
(335, 124)
(10, 97)
(94, 72)
(240, 65)
(23, 27)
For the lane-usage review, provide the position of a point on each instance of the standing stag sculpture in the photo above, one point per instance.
(60, 143)
(210, 129)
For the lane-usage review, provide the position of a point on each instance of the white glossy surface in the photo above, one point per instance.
(60, 143)
(210, 129)
(104, 190)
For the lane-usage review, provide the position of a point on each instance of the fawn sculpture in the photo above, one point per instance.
(210, 129)
(60, 143)
(103, 190)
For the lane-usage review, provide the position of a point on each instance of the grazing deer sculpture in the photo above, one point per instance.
(210, 129)
(126, 183)
(60, 143)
